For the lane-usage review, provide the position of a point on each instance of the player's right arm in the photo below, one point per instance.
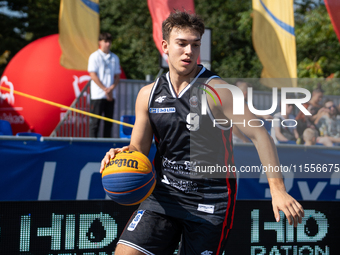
(141, 136)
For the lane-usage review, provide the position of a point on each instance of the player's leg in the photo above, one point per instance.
(149, 233)
(203, 238)
(127, 250)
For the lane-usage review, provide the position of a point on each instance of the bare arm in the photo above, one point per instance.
(141, 136)
(115, 83)
(95, 78)
(240, 135)
(267, 152)
(108, 91)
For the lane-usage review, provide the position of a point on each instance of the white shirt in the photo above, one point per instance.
(106, 66)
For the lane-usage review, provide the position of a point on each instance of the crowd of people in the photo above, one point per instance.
(320, 128)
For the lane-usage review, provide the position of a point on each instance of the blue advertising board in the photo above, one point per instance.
(68, 169)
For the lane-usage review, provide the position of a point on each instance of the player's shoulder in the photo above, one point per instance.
(144, 92)
(146, 89)
(217, 80)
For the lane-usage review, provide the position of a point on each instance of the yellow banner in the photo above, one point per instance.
(78, 32)
(274, 40)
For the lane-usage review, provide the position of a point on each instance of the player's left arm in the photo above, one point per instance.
(267, 152)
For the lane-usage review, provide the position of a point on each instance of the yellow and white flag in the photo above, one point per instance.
(274, 41)
(78, 32)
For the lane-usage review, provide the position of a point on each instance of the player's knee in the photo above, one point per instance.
(122, 249)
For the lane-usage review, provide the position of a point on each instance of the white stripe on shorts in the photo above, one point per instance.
(132, 245)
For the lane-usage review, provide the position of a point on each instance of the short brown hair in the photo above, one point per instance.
(105, 36)
(182, 20)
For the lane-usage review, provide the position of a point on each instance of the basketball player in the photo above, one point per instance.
(185, 207)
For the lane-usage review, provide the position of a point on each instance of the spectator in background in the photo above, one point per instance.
(104, 69)
(310, 136)
(313, 106)
(286, 131)
(329, 122)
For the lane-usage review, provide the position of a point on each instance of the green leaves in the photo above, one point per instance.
(317, 44)
(233, 54)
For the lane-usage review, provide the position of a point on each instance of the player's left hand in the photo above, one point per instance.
(282, 201)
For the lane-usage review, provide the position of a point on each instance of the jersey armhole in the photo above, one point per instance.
(211, 116)
(152, 92)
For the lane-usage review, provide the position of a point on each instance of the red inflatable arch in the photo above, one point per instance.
(35, 70)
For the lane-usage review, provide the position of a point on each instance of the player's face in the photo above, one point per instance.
(183, 49)
(105, 45)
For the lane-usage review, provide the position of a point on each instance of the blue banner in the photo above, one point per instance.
(310, 173)
(68, 169)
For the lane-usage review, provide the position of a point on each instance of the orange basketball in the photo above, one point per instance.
(129, 178)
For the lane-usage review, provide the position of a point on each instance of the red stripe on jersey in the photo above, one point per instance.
(231, 148)
(231, 200)
(156, 139)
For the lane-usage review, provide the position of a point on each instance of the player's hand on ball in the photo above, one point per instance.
(110, 155)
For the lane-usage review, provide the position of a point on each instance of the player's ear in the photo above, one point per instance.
(165, 47)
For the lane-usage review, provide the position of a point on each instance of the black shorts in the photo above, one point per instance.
(154, 233)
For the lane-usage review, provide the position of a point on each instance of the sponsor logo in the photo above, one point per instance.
(124, 162)
(163, 110)
(185, 186)
(7, 96)
(160, 99)
(206, 208)
(77, 81)
(207, 252)
(13, 119)
(174, 166)
(193, 101)
(136, 220)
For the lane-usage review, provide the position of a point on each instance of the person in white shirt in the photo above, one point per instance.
(104, 70)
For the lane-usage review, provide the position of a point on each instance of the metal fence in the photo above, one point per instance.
(75, 124)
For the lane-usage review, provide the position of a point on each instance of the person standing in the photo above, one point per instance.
(104, 70)
(186, 206)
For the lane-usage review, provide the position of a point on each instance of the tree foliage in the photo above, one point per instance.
(131, 26)
(37, 18)
(232, 51)
(317, 44)
(231, 22)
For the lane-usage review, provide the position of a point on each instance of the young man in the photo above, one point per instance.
(105, 72)
(185, 206)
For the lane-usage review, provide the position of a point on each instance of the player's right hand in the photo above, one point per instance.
(110, 155)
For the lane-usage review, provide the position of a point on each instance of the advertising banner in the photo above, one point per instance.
(68, 169)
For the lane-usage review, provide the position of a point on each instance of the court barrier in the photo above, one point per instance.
(52, 200)
(74, 124)
(68, 169)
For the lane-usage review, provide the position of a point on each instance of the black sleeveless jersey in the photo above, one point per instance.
(187, 146)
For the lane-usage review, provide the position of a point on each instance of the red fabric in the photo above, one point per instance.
(333, 8)
(160, 10)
